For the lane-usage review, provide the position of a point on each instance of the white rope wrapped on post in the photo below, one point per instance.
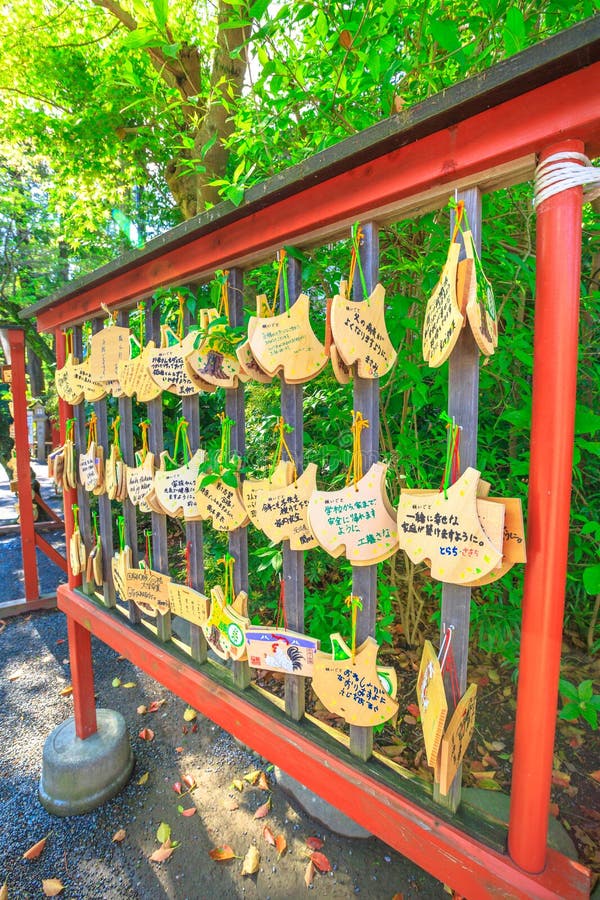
(560, 172)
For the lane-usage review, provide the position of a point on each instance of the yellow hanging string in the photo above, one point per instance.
(228, 562)
(141, 309)
(116, 439)
(145, 425)
(280, 427)
(357, 238)
(282, 256)
(92, 430)
(224, 299)
(69, 430)
(355, 603)
(460, 211)
(355, 469)
(110, 315)
(180, 318)
(68, 333)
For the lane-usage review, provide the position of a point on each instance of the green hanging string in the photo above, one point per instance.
(355, 603)
(75, 511)
(181, 436)
(225, 451)
(148, 536)
(69, 429)
(95, 528)
(452, 439)
(228, 562)
(356, 242)
(121, 531)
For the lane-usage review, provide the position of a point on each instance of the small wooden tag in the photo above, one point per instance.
(191, 605)
(168, 367)
(443, 318)
(433, 706)
(283, 513)
(360, 333)
(108, 348)
(135, 377)
(284, 651)
(286, 343)
(457, 738)
(176, 489)
(149, 590)
(251, 487)
(225, 629)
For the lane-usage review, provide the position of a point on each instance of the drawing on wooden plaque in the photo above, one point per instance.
(191, 605)
(456, 739)
(176, 488)
(215, 359)
(135, 376)
(149, 590)
(281, 650)
(360, 335)
(480, 306)
(512, 538)
(167, 365)
(351, 688)
(108, 348)
(357, 521)
(225, 628)
(433, 706)
(283, 475)
(282, 513)
(286, 343)
(444, 528)
(443, 318)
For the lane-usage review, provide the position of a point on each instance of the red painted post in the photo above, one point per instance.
(80, 646)
(558, 262)
(16, 340)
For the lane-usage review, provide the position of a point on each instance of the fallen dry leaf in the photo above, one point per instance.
(220, 854)
(553, 810)
(263, 810)
(194, 728)
(144, 778)
(269, 836)
(189, 781)
(129, 684)
(163, 833)
(14, 677)
(280, 844)
(251, 862)
(191, 811)
(231, 804)
(263, 782)
(52, 887)
(162, 854)
(595, 775)
(178, 749)
(252, 777)
(66, 691)
(314, 843)
(488, 784)
(142, 710)
(309, 874)
(189, 714)
(36, 849)
(4, 888)
(184, 730)
(156, 705)
(398, 897)
(560, 779)
(177, 787)
(410, 720)
(116, 682)
(146, 734)
(238, 784)
(345, 38)
(121, 658)
(119, 836)
(320, 861)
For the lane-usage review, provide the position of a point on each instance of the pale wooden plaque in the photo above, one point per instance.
(360, 333)
(286, 343)
(135, 377)
(481, 306)
(140, 481)
(281, 650)
(513, 539)
(457, 738)
(108, 348)
(443, 318)
(191, 605)
(168, 367)
(433, 706)
(149, 590)
(251, 487)
(176, 489)
(225, 629)
(222, 504)
(283, 513)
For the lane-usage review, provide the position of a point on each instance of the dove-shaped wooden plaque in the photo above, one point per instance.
(225, 628)
(286, 343)
(149, 590)
(108, 348)
(443, 317)
(175, 489)
(135, 377)
(281, 650)
(357, 520)
(351, 688)
(282, 513)
(360, 334)
(74, 382)
(433, 706)
(251, 487)
(447, 531)
(191, 605)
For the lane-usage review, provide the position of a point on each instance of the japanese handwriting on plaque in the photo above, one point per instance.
(433, 706)
(74, 382)
(176, 489)
(282, 513)
(351, 688)
(286, 343)
(191, 605)
(168, 367)
(512, 537)
(358, 520)
(360, 334)
(480, 304)
(135, 377)
(225, 628)
(91, 468)
(386, 674)
(252, 487)
(149, 590)
(140, 481)
(108, 348)
(281, 650)
(120, 563)
(447, 531)
(222, 504)
(443, 318)
(456, 739)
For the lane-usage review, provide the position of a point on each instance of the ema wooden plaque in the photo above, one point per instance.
(191, 605)
(351, 688)
(281, 650)
(168, 367)
(447, 531)
(251, 487)
(140, 481)
(222, 504)
(283, 513)
(443, 317)
(342, 372)
(149, 590)
(360, 333)
(249, 365)
(358, 520)
(120, 563)
(457, 739)
(433, 706)
(135, 377)
(513, 538)
(108, 348)
(225, 629)
(74, 382)
(91, 468)
(286, 343)
(480, 305)
(386, 674)
(176, 489)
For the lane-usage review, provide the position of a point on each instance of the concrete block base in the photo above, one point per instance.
(319, 809)
(78, 776)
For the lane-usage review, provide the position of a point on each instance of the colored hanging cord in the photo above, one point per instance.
(357, 235)
(148, 556)
(328, 330)
(228, 562)
(181, 299)
(92, 430)
(75, 511)
(70, 430)
(68, 333)
(144, 425)
(181, 436)
(222, 276)
(281, 620)
(142, 322)
(355, 603)
(281, 272)
(95, 528)
(116, 438)
(188, 563)
(282, 427)
(121, 532)
(110, 315)
(225, 451)
(355, 469)
(459, 207)
(447, 662)
(452, 461)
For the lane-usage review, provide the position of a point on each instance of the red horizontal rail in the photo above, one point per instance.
(564, 108)
(471, 868)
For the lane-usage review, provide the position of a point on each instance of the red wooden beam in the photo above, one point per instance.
(51, 553)
(82, 678)
(507, 132)
(472, 869)
(65, 411)
(16, 340)
(558, 262)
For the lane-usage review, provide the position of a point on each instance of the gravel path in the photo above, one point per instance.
(80, 852)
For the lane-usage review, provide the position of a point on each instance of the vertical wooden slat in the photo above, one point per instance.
(293, 560)
(104, 509)
(83, 498)
(463, 404)
(234, 409)
(156, 445)
(193, 530)
(366, 401)
(127, 452)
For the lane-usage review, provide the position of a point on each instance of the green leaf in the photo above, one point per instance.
(591, 579)
(258, 8)
(230, 479)
(590, 715)
(142, 37)
(164, 832)
(567, 689)
(513, 32)
(586, 420)
(445, 33)
(321, 24)
(585, 690)
(161, 11)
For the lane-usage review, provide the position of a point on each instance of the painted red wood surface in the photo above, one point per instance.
(524, 125)
(455, 858)
(82, 678)
(51, 553)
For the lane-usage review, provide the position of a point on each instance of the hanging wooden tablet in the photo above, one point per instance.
(447, 531)
(282, 513)
(351, 688)
(433, 706)
(456, 739)
(225, 628)
(135, 377)
(88, 467)
(140, 480)
(214, 360)
(176, 488)
(513, 539)
(357, 521)
(343, 373)
(281, 650)
(108, 348)
(67, 386)
(249, 365)
(481, 306)
(149, 590)
(222, 504)
(168, 367)
(386, 674)
(191, 605)
(283, 475)
(286, 343)
(443, 318)
(77, 552)
(121, 562)
(360, 334)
